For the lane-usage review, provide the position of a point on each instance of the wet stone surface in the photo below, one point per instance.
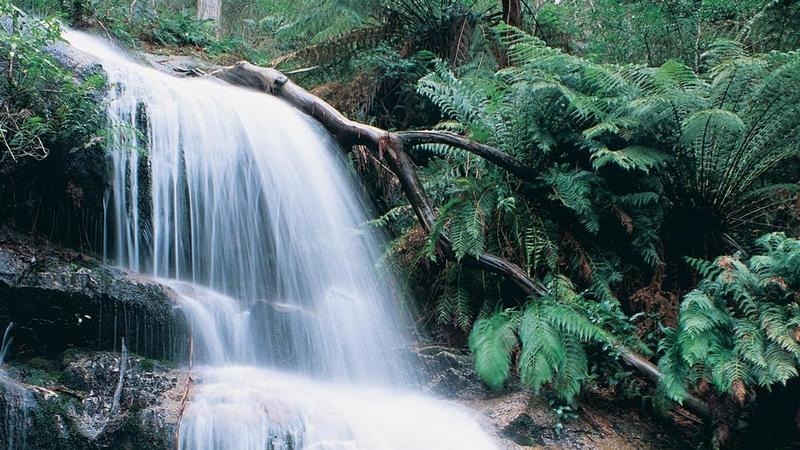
(76, 407)
(61, 299)
(521, 419)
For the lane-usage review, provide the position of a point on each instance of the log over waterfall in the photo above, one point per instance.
(391, 147)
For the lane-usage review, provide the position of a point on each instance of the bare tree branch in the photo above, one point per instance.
(491, 154)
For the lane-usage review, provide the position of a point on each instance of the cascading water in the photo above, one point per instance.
(246, 209)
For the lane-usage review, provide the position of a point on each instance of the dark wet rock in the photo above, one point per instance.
(60, 197)
(524, 431)
(61, 299)
(521, 419)
(77, 408)
(449, 373)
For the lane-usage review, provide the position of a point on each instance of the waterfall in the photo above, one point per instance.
(246, 208)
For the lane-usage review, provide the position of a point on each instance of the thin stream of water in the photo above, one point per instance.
(18, 400)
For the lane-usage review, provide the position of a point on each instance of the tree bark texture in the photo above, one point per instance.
(512, 12)
(209, 9)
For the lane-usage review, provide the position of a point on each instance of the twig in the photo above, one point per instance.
(185, 397)
(302, 70)
(123, 367)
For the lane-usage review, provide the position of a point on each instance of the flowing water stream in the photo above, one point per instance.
(18, 401)
(246, 208)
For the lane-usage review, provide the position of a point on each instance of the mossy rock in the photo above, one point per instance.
(75, 410)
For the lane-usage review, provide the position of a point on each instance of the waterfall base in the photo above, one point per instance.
(81, 395)
(251, 408)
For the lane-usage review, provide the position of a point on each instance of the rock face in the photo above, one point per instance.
(61, 299)
(60, 196)
(79, 407)
(522, 419)
(62, 390)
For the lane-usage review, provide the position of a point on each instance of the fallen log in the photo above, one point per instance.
(391, 147)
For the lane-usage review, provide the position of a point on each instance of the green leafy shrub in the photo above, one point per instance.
(546, 341)
(42, 106)
(183, 29)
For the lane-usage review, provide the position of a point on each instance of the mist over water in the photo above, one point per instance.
(246, 208)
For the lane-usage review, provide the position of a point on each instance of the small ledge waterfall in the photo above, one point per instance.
(246, 208)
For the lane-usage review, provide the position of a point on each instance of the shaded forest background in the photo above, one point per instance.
(658, 203)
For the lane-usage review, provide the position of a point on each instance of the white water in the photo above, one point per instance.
(245, 207)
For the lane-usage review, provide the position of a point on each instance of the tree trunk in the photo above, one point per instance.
(209, 9)
(390, 146)
(512, 12)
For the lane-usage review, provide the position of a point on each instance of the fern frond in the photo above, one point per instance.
(635, 157)
(492, 341)
(543, 350)
(570, 322)
(573, 371)
(573, 189)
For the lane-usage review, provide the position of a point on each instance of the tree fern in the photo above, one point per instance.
(700, 146)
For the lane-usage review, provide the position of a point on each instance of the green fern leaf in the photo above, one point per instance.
(492, 341)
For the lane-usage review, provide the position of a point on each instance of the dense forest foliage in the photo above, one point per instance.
(657, 206)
